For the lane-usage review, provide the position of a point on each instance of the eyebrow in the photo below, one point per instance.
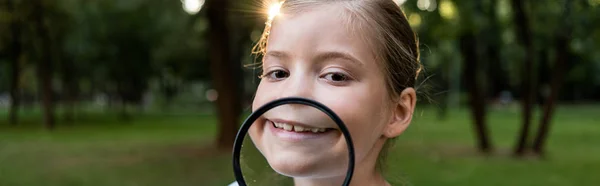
(278, 54)
(324, 56)
(337, 55)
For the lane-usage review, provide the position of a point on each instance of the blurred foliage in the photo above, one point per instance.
(112, 46)
(121, 47)
(438, 29)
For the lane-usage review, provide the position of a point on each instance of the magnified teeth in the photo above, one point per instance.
(289, 127)
(298, 128)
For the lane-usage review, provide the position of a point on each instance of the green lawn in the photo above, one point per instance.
(161, 149)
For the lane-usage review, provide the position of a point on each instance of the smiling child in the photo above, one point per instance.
(358, 57)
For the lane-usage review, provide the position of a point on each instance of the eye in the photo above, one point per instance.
(276, 75)
(336, 77)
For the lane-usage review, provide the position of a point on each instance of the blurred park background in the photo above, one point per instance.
(151, 92)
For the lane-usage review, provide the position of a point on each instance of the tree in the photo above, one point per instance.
(70, 87)
(223, 69)
(58, 24)
(45, 62)
(562, 53)
(476, 97)
(496, 73)
(528, 84)
(470, 42)
(15, 58)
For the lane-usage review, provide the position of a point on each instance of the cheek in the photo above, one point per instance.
(256, 134)
(363, 119)
(364, 111)
(363, 105)
(259, 97)
(263, 95)
(256, 131)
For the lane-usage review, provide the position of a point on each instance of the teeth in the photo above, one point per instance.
(277, 125)
(298, 128)
(289, 127)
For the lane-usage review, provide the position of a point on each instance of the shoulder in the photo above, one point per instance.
(233, 184)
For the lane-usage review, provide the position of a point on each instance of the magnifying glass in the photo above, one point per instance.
(239, 139)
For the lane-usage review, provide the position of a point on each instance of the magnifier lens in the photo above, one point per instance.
(293, 142)
(256, 169)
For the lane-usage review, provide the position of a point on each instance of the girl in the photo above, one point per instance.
(358, 57)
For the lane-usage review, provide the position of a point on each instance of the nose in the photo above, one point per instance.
(299, 84)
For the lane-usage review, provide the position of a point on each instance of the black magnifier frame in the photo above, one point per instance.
(239, 139)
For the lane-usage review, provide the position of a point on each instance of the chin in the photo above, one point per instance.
(293, 167)
(303, 166)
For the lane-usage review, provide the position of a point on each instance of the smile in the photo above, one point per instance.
(295, 132)
(297, 128)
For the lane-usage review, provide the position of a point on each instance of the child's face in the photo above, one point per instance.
(314, 55)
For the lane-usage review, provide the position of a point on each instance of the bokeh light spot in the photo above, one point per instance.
(192, 6)
(447, 9)
(414, 20)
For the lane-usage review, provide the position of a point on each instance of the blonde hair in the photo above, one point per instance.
(383, 25)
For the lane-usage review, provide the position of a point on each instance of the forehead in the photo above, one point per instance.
(322, 29)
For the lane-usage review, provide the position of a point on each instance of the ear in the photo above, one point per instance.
(402, 112)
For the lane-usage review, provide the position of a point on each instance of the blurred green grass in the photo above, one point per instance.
(161, 149)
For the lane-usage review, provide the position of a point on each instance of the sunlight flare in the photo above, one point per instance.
(274, 10)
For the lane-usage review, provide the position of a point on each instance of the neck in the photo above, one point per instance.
(365, 173)
(357, 180)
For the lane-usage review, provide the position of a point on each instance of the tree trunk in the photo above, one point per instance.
(476, 97)
(71, 90)
(122, 94)
(558, 73)
(44, 67)
(15, 68)
(223, 75)
(497, 75)
(528, 85)
(15, 98)
(562, 53)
